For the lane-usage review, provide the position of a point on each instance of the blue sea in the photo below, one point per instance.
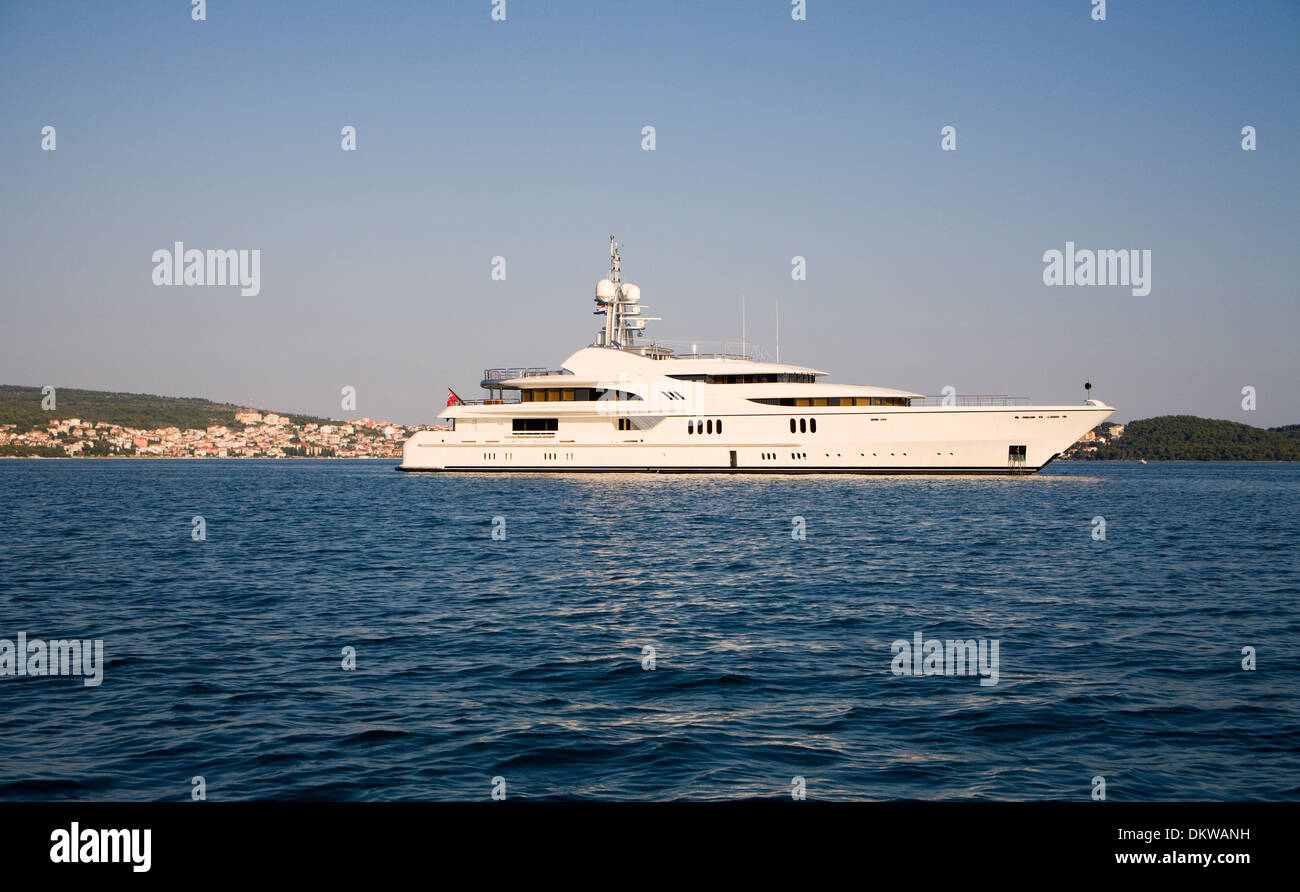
(501, 627)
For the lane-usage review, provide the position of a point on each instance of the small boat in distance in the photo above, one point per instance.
(624, 405)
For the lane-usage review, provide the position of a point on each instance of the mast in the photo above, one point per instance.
(621, 304)
(614, 274)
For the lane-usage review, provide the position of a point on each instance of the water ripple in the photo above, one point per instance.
(523, 658)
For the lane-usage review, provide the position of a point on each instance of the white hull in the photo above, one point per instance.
(927, 440)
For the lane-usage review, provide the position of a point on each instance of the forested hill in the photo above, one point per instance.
(22, 406)
(1188, 438)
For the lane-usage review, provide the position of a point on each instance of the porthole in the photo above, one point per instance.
(812, 425)
(709, 426)
(719, 425)
(792, 426)
(690, 427)
(803, 426)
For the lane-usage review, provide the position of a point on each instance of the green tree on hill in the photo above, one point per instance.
(1188, 438)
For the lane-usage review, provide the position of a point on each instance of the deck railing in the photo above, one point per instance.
(678, 349)
(507, 374)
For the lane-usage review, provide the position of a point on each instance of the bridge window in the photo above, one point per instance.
(573, 394)
(766, 378)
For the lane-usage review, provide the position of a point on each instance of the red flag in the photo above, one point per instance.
(452, 399)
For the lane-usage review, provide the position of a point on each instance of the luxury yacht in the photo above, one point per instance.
(625, 404)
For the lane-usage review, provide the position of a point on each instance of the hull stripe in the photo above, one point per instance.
(1003, 471)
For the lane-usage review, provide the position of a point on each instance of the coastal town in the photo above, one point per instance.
(1093, 439)
(254, 435)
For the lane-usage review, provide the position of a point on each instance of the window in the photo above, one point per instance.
(710, 425)
(792, 425)
(690, 427)
(719, 425)
(812, 425)
(534, 424)
(833, 401)
(803, 426)
(573, 394)
(778, 378)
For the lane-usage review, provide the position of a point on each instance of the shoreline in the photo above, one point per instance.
(199, 458)
(1067, 461)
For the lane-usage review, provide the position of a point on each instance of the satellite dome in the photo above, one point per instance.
(631, 293)
(604, 290)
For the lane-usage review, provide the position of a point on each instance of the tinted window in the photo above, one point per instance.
(535, 424)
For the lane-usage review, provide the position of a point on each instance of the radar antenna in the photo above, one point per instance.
(620, 303)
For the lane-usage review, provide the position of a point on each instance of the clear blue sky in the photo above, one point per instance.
(775, 138)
